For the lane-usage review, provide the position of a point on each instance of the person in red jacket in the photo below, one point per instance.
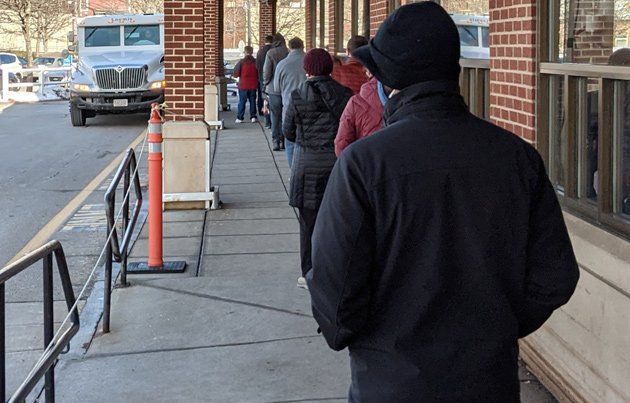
(351, 73)
(363, 114)
(247, 73)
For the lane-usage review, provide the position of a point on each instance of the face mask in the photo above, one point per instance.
(381, 92)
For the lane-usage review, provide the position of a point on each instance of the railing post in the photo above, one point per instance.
(107, 283)
(155, 189)
(49, 382)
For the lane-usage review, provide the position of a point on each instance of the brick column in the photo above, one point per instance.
(331, 45)
(213, 40)
(309, 15)
(513, 66)
(267, 25)
(184, 57)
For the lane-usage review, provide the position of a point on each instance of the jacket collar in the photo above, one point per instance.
(435, 97)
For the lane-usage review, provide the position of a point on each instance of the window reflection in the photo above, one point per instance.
(625, 155)
(557, 144)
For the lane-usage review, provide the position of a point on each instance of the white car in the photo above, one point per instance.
(11, 62)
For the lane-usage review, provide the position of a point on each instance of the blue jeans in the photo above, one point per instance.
(275, 106)
(244, 96)
(288, 149)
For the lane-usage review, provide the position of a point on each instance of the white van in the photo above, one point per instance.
(474, 35)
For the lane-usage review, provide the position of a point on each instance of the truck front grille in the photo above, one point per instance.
(119, 78)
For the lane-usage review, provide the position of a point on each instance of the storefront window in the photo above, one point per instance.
(471, 7)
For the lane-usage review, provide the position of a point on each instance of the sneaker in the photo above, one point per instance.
(254, 120)
(302, 283)
(238, 121)
(276, 146)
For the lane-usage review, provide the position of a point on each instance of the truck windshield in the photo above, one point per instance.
(142, 35)
(102, 36)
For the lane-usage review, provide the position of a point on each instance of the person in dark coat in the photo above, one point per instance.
(260, 63)
(311, 121)
(439, 241)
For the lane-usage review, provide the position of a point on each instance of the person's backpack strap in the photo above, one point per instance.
(319, 93)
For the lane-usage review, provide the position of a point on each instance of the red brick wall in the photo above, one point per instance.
(378, 13)
(184, 57)
(309, 14)
(213, 40)
(267, 19)
(513, 66)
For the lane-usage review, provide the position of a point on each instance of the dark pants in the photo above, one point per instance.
(307, 224)
(275, 106)
(243, 97)
(261, 103)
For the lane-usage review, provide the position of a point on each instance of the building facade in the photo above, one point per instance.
(551, 80)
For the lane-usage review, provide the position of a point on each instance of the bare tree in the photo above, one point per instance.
(51, 17)
(146, 6)
(19, 14)
(478, 7)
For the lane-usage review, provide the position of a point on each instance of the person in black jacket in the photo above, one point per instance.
(311, 121)
(260, 63)
(439, 241)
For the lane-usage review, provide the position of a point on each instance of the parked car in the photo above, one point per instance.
(50, 62)
(10, 62)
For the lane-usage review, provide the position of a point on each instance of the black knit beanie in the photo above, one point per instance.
(417, 42)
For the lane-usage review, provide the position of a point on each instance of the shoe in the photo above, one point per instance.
(302, 283)
(238, 121)
(254, 120)
(276, 146)
(282, 145)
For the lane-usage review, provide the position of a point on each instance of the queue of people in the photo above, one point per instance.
(430, 240)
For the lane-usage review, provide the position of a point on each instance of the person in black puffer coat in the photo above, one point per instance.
(312, 120)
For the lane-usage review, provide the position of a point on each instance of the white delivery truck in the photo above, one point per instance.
(120, 65)
(474, 35)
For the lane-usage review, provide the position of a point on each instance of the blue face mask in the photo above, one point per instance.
(381, 92)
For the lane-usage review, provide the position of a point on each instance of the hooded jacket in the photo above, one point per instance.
(350, 74)
(277, 52)
(363, 116)
(438, 244)
(311, 122)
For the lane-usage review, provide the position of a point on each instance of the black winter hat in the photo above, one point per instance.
(417, 42)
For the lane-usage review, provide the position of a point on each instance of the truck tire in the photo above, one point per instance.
(77, 116)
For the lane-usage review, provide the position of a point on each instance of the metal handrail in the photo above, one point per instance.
(45, 366)
(115, 250)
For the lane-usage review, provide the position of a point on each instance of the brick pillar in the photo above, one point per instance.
(513, 66)
(309, 15)
(593, 31)
(213, 40)
(378, 13)
(184, 57)
(332, 38)
(267, 25)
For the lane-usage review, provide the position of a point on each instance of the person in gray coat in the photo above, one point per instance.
(277, 52)
(289, 75)
(439, 241)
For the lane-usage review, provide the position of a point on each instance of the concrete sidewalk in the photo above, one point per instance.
(234, 327)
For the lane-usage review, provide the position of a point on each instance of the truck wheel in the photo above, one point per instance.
(77, 116)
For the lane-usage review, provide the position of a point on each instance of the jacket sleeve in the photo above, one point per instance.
(237, 70)
(289, 125)
(347, 132)
(552, 270)
(267, 70)
(343, 245)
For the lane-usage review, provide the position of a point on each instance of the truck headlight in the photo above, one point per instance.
(157, 85)
(81, 87)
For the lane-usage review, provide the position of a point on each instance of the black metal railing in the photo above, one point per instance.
(45, 367)
(115, 250)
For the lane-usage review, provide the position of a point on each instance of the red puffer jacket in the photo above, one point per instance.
(362, 116)
(247, 73)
